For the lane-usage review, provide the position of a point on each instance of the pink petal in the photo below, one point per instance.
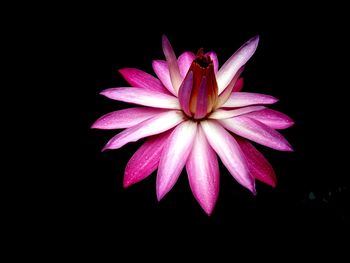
(174, 156)
(185, 93)
(226, 114)
(215, 60)
(235, 62)
(202, 100)
(142, 97)
(203, 172)
(125, 118)
(184, 62)
(225, 95)
(161, 69)
(242, 99)
(257, 132)
(229, 152)
(145, 160)
(258, 166)
(239, 85)
(273, 119)
(141, 79)
(158, 124)
(174, 70)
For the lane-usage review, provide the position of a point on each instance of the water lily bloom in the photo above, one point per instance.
(192, 114)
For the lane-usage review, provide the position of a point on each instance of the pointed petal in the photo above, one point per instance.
(242, 99)
(161, 69)
(226, 114)
(229, 152)
(257, 132)
(185, 61)
(139, 78)
(158, 124)
(225, 95)
(145, 160)
(185, 93)
(125, 118)
(174, 70)
(239, 85)
(258, 166)
(174, 156)
(235, 62)
(202, 100)
(215, 60)
(203, 172)
(142, 97)
(273, 119)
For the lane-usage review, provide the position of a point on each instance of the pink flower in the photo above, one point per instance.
(192, 113)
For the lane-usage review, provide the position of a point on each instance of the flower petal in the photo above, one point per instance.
(229, 152)
(174, 70)
(202, 99)
(235, 62)
(141, 79)
(225, 95)
(239, 85)
(174, 156)
(226, 114)
(273, 119)
(203, 172)
(185, 92)
(242, 99)
(184, 62)
(158, 124)
(257, 132)
(215, 60)
(142, 97)
(161, 69)
(145, 160)
(258, 166)
(125, 118)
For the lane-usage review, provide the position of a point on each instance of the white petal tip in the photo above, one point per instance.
(254, 41)
(127, 184)
(208, 210)
(160, 196)
(104, 149)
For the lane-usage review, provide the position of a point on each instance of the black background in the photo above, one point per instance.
(297, 61)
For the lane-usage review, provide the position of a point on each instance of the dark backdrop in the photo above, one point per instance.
(296, 61)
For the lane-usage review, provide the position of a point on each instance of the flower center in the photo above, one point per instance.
(198, 93)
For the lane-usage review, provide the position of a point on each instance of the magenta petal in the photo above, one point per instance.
(225, 95)
(125, 118)
(258, 166)
(161, 69)
(273, 119)
(158, 124)
(203, 172)
(185, 61)
(145, 160)
(174, 70)
(229, 152)
(242, 99)
(202, 100)
(141, 79)
(226, 114)
(215, 60)
(174, 156)
(235, 62)
(142, 97)
(185, 93)
(238, 86)
(257, 132)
